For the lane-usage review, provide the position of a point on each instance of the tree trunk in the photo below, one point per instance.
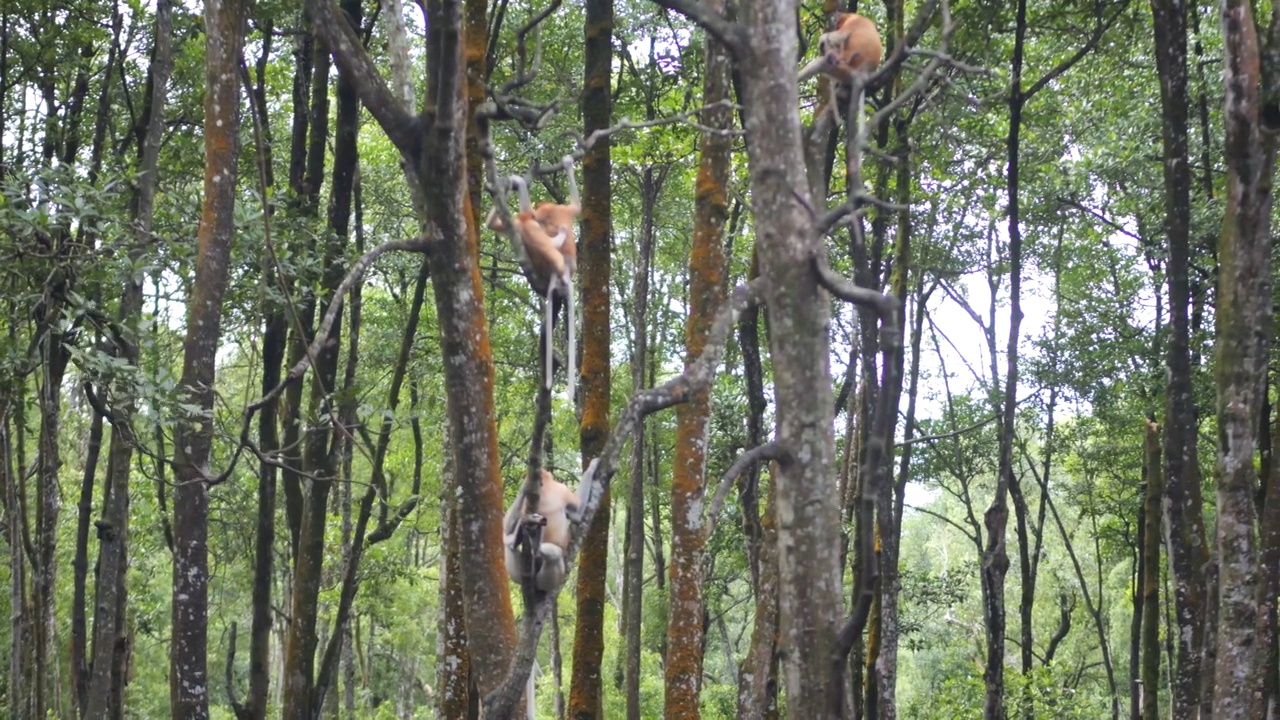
(320, 461)
(995, 557)
(597, 168)
(1266, 661)
(18, 619)
(80, 565)
(707, 268)
(633, 593)
(109, 632)
(188, 678)
(1183, 520)
(1242, 340)
(798, 311)
(758, 676)
(1151, 577)
(275, 334)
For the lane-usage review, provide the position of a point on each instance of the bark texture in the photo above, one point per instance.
(683, 666)
(1183, 520)
(109, 632)
(1242, 341)
(594, 271)
(798, 312)
(188, 676)
(1151, 576)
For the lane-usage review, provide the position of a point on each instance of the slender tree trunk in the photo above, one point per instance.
(597, 168)
(634, 580)
(1183, 520)
(188, 677)
(1151, 577)
(16, 696)
(110, 633)
(1267, 661)
(275, 333)
(995, 557)
(707, 267)
(80, 565)
(53, 363)
(320, 460)
(1242, 341)
(758, 676)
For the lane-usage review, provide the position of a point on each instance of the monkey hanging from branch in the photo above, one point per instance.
(851, 47)
(546, 234)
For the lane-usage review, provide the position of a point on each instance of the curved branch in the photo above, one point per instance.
(769, 451)
(731, 34)
(355, 275)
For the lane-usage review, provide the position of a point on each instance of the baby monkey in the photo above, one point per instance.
(853, 46)
(546, 232)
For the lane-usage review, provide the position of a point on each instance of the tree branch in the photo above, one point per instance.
(730, 34)
(759, 453)
(1100, 28)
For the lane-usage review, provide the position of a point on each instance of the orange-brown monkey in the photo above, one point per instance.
(548, 238)
(852, 46)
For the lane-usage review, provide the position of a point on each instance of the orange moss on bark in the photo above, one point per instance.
(594, 270)
(683, 668)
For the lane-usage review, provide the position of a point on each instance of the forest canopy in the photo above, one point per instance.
(638, 358)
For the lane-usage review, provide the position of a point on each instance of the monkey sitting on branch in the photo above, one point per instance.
(539, 532)
(851, 47)
(546, 233)
(535, 537)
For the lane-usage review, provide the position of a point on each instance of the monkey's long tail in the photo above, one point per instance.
(546, 331)
(571, 349)
(528, 692)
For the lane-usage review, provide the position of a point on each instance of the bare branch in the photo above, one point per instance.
(845, 289)
(889, 68)
(759, 453)
(1100, 28)
(926, 77)
(684, 117)
(354, 275)
(953, 433)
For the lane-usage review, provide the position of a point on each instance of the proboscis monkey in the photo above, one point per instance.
(557, 506)
(546, 231)
(852, 46)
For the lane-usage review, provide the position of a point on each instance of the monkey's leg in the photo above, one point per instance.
(833, 102)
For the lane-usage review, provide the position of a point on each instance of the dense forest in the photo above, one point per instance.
(639, 358)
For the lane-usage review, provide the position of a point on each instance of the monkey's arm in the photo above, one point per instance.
(511, 523)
